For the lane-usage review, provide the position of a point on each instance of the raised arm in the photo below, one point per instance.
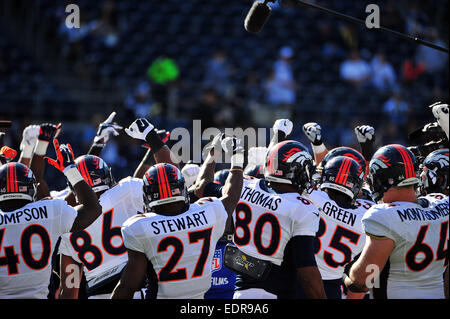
(29, 139)
(142, 129)
(281, 130)
(47, 132)
(233, 185)
(104, 131)
(313, 132)
(366, 138)
(151, 157)
(206, 174)
(89, 208)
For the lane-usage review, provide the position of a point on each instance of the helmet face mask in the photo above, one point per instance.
(17, 182)
(164, 184)
(289, 162)
(391, 166)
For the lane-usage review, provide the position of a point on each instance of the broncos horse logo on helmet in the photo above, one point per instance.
(289, 162)
(391, 166)
(434, 172)
(164, 184)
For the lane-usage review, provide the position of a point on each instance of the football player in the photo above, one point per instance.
(99, 248)
(340, 237)
(29, 229)
(174, 233)
(274, 226)
(408, 233)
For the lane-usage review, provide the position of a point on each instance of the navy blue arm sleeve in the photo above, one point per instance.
(302, 250)
(213, 190)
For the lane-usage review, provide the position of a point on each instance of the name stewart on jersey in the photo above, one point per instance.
(24, 215)
(179, 223)
(261, 199)
(339, 214)
(439, 211)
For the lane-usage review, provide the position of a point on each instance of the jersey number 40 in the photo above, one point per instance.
(11, 259)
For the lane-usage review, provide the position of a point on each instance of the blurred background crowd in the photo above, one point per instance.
(174, 61)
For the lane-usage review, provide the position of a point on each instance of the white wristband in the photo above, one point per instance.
(27, 152)
(237, 160)
(41, 148)
(317, 149)
(73, 175)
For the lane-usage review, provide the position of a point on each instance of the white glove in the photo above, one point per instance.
(190, 173)
(365, 133)
(216, 145)
(234, 147)
(107, 128)
(283, 125)
(139, 129)
(440, 112)
(313, 132)
(29, 138)
(257, 155)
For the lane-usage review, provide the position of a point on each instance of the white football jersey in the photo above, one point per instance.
(340, 236)
(265, 221)
(420, 255)
(27, 240)
(100, 247)
(179, 247)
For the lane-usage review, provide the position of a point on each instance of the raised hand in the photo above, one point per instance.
(7, 154)
(29, 137)
(139, 129)
(440, 112)
(234, 147)
(365, 133)
(64, 157)
(283, 125)
(313, 132)
(48, 132)
(106, 128)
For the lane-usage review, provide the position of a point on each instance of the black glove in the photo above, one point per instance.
(48, 132)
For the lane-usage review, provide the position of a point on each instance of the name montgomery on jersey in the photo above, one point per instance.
(179, 223)
(441, 210)
(24, 215)
(258, 198)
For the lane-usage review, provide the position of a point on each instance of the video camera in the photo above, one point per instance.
(427, 139)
